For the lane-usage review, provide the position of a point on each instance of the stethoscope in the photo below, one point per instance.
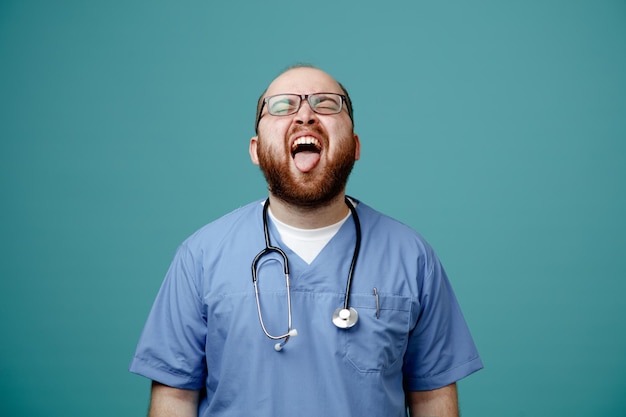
(343, 317)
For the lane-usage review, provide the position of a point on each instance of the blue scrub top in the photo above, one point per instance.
(204, 333)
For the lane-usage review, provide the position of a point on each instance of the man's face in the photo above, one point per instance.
(306, 157)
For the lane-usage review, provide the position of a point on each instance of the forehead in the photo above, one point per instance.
(303, 81)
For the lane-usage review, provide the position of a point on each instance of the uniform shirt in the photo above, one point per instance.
(203, 331)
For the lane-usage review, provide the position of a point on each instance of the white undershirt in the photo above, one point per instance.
(306, 243)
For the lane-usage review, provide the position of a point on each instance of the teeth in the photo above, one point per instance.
(306, 140)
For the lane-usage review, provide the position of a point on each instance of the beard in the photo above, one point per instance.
(307, 189)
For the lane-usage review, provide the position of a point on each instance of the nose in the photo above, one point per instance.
(305, 114)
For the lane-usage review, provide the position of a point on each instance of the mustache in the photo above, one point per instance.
(306, 128)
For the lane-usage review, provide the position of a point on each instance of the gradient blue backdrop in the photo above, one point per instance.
(495, 128)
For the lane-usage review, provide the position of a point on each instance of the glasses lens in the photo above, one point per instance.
(283, 104)
(325, 103)
(286, 104)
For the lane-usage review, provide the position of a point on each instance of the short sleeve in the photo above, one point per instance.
(171, 349)
(441, 350)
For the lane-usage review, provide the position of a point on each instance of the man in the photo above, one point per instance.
(378, 326)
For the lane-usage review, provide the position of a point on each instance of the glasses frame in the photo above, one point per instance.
(302, 97)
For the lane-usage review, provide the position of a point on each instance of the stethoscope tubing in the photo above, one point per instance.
(357, 248)
(267, 250)
(344, 322)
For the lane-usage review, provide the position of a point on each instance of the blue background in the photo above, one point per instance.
(495, 128)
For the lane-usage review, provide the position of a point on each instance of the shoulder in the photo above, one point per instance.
(396, 240)
(383, 225)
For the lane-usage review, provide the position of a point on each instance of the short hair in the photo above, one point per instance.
(259, 103)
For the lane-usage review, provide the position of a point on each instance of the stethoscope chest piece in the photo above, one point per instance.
(345, 318)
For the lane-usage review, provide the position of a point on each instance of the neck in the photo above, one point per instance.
(304, 217)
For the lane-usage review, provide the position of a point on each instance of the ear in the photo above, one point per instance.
(357, 149)
(253, 150)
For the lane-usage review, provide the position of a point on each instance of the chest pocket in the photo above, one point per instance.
(379, 339)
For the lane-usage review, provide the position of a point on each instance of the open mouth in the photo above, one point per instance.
(306, 153)
(305, 144)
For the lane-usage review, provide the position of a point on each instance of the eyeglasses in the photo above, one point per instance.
(288, 104)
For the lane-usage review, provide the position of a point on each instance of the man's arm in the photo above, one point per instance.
(173, 402)
(441, 402)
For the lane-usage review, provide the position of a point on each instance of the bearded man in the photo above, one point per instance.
(379, 330)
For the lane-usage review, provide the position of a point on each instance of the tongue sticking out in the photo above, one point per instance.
(306, 154)
(306, 160)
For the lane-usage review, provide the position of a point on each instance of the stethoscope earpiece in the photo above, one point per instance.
(344, 317)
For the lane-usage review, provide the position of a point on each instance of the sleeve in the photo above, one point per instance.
(440, 349)
(171, 349)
